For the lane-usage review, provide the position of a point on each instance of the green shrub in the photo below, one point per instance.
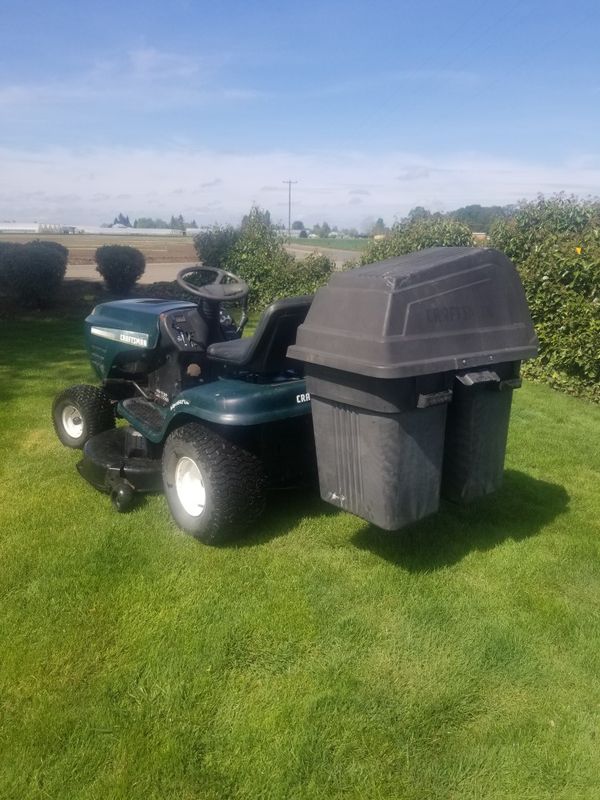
(417, 234)
(5, 248)
(32, 273)
(120, 266)
(56, 246)
(536, 223)
(555, 244)
(318, 265)
(302, 276)
(260, 258)
(213, 247)
(257, 254)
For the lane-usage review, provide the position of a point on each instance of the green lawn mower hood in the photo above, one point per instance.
(125, 331)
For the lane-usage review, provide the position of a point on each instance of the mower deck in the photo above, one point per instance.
(118, 457)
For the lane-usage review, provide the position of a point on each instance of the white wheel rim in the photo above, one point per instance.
(190, 486)
(72, 422)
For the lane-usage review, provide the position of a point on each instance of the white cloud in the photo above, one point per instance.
(145, 77)
(150, 64)
(413, 173)
(451, 80)
(91, 186)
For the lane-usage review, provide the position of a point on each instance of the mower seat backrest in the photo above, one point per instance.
(264, 353)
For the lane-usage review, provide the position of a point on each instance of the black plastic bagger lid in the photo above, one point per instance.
(440, 309)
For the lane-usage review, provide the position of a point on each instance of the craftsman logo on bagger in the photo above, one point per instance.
(445, 314)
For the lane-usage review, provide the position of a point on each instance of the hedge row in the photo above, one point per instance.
(555, 243)
(409, 235)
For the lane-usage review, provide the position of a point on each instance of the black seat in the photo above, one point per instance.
(265, 351)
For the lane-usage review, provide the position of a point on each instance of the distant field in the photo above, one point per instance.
(335, 244)
(82, 246)
(180, 249)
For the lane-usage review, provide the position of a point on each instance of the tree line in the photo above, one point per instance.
(175, 223)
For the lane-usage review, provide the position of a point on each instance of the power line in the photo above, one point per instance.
(289, 183)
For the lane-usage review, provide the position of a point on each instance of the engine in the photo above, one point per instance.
(156, 345)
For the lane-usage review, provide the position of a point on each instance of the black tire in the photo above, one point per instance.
(229, 494)
(81, 412)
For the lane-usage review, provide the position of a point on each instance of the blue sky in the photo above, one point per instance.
(203, 108)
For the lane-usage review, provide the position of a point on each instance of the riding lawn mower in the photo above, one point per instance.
(393, 385)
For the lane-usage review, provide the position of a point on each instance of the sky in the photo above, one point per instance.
(153, 109)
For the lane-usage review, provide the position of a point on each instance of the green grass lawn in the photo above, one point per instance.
(316, 658)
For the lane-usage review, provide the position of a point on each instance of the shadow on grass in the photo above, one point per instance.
(519, 510)
(38, 349)
(285, 508)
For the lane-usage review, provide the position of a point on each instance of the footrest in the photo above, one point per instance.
(145, 411)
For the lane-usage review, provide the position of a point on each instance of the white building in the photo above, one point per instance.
(19, 227)
(45, 228)
(37, 228)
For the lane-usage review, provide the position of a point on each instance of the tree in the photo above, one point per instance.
(260, 258)
(297, 225)
(177, 223)
(481, 218)
(122, 220)
(418, 212)
(257, 216)
(322, 231)
(149, 222)
(379, 228)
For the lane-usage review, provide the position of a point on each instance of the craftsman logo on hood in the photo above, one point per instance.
(116, 335)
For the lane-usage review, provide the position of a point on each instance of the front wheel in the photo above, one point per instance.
(81, 412)
(214, 488)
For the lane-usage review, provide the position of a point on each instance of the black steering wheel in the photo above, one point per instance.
(212, 284)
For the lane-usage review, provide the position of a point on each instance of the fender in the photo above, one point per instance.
(230, 402)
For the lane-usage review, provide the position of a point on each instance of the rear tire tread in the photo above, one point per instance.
(234, 483)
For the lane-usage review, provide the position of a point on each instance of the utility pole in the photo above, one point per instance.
(289, 183)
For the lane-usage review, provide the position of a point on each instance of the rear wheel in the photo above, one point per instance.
(214, 488)
(81, 412)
